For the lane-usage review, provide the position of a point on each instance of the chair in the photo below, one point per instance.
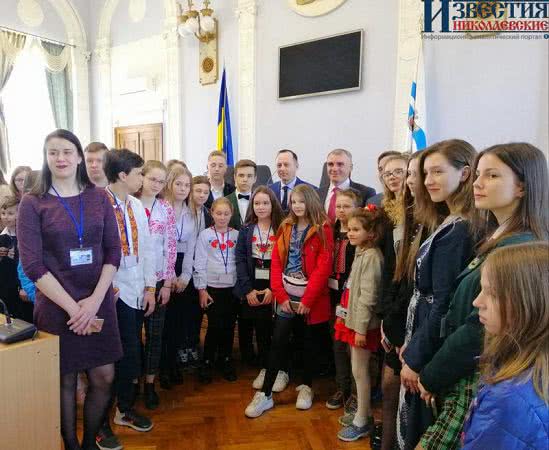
(264, 176)
(324, 180)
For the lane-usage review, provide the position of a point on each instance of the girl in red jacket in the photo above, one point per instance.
(300, 266)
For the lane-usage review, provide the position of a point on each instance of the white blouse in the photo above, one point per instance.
(215, 264)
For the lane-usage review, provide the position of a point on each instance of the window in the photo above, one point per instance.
(27, 109)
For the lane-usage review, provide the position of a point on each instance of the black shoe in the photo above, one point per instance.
(205, 373)
(151, 397)
(176, 377)
(133, 420)
(228, 372)
(106, 440)
(165, 381)
(375, 438)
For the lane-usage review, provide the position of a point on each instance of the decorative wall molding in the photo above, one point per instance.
(76, 35)
(30, 12)
(246, 14)
(409, 42)
(315, 8)
(172, 130)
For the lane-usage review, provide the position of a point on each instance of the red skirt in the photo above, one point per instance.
(344, 334)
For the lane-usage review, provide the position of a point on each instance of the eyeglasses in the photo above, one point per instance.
(156, 181)
(394, 173)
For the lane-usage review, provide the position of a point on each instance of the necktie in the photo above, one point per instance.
(240, 196)
(285, 198)
(332, 205)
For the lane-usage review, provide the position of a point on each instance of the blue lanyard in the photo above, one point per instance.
(150, 212)
(261, 241)
(123, 215)
(225, 259)
(79, 227)
(180, 233)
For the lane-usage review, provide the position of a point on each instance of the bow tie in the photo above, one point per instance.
(247, 197)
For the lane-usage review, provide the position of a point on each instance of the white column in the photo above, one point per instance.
(246, 13)
(173, 144)
(103, 55)
(80, 89)
(409, 41)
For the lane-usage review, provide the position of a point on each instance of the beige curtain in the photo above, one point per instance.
(10, 45)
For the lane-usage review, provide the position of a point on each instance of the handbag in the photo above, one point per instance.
(295, 287)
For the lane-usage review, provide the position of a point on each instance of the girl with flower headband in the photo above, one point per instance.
(356, 321)
(215, 277)
(253, 261)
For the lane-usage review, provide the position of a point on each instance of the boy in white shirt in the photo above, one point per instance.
(135, 281)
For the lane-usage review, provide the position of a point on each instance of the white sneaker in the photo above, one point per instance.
(281, 381)
(305, 397)
(259, 404)
(259, 380)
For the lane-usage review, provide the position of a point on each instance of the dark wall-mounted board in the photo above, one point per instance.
(321, 66)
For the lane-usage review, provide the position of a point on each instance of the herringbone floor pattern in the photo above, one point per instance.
(197, 417)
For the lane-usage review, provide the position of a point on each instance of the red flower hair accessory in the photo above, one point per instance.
(370, 207)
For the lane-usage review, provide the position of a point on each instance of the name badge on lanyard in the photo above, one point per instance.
(262, 274)
(226, 278)
(83, 255)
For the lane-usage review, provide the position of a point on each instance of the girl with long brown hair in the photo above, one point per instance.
(511, 409)
(444, 204)
(254, 250)
(300, 266)
(512, 206)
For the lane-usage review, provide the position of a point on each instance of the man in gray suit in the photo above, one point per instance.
(339, 165)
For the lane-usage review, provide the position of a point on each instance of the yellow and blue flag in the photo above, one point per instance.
(224, 136)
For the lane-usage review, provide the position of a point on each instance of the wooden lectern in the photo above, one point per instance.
(29, 394)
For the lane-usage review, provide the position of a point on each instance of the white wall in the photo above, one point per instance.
(488, 91)
(200, 103)
(360, 121)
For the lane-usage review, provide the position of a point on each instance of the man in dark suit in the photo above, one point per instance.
(217, 168)
(339, 165)
(286, 169)
(245, 176)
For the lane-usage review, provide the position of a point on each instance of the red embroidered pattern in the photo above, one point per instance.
(133, 227)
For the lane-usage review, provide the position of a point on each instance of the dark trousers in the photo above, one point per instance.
(191, 318)
(130, 323)
(221, 322)
(172, 333)
(154, 326)
(246, 338)
(313, 336)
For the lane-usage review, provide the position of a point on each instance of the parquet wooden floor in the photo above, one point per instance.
(207, 417)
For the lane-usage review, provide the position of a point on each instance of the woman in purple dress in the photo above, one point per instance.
(69, 247)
